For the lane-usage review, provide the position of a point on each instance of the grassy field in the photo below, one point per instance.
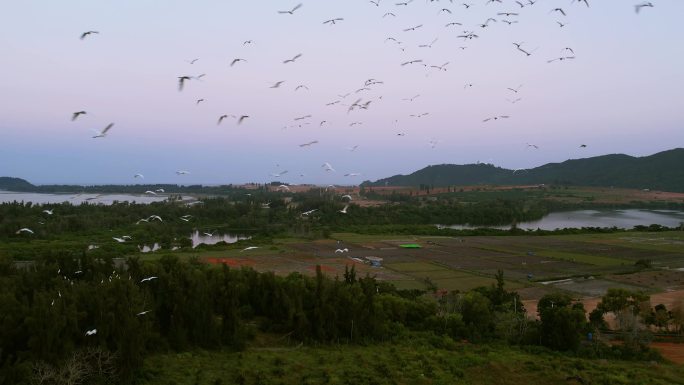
(441, 276)
(407, 362)
(596, 262)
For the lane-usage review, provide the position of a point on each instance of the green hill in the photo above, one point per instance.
(661, 171)
(15, 184)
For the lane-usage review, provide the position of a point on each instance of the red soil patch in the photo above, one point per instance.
(233, 262)
(323, 268)
(671, 351)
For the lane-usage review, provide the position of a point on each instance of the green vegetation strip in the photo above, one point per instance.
(417, 361)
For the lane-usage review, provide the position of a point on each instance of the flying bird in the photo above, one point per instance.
(413, 28)
(181, 81)
(277, 84)
(428, 45)
(236, 60)
(242, 118)
(182, 172)
(497, 118)
(562, 12)
(220, 119)
(249, 248)
(308, 144)
(411, 62)
(148, 279)
(442, 67)
(103, 133)
(344, 210)
(560, 59)
(24, 230)
(297, 56)
(76, 114)
(48, 212)
(638, 7)
(332, 21)
(328, 167)
(88, 33)
(291, 12)
(91, 332)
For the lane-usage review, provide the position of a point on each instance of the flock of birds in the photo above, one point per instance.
(466, 33)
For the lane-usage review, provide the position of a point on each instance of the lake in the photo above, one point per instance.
(76, 199)
(624, 219)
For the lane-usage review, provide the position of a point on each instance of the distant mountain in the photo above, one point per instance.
(662, 171)
(15, 184)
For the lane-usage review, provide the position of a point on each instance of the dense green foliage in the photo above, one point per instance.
(172, 305)
(415, 359)
(661, 171)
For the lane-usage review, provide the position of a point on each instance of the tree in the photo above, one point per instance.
(626, 305)
(563, 322)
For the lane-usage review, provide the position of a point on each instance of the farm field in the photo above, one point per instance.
(583, 265)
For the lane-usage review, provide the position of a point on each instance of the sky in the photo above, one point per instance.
(622, 92)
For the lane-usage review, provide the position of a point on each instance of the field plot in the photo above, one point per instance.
(592, 287)
(593, 262)
(658, 280)
(443, 277)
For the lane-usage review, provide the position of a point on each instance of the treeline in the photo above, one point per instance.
(71, 230)
(21, 185)
(71, 320)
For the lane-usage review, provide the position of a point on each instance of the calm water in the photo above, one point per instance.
(200, 238)
(625, 219)
(105, 199)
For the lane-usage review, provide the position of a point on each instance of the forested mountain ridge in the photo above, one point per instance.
(661, 171)
(15, 184)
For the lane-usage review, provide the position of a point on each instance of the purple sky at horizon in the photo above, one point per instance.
(622, 93)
